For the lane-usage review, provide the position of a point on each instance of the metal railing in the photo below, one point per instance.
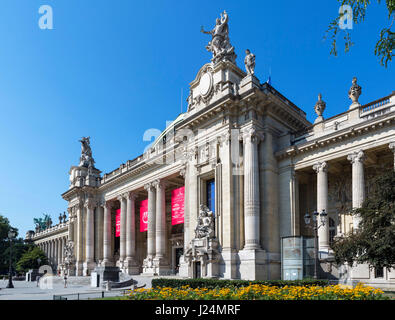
(90, 295)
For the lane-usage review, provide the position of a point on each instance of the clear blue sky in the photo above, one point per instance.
(111, 69)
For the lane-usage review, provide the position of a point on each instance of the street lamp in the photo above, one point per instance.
(11, 235)
(315, 226)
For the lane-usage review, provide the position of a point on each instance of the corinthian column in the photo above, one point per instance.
(122, 240)
(392, 147)
(131, 264)
(160, 261)
(251, 189)
(107, 257)
(322, 203)
(358, 182)
(148, 261)
(89, 234)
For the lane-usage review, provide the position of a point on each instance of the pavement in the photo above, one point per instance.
(76, 286)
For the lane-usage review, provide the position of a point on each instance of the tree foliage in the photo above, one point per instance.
(19, 247)
(386, 43)
(374, 240)
(29, 259)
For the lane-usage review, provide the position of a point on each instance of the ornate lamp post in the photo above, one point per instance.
(11, 235)
(313, 224)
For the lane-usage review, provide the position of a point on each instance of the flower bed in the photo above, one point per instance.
(260, 292)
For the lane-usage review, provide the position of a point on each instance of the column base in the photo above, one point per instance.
(162, 268)
(252, 264)
(130, 266)
(228, 266)
(79, 269)
(88, 268)
(107, 263)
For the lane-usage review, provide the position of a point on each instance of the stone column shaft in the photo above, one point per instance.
(251, 190)
(130, 227)
(79, 245)
(160, 232)
(322, 203)
(151, 221)
(358, 183)
(89, 232)
(107, 258)
(122, 240)
(392, 147)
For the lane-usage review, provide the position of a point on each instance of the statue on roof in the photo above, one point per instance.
(249, 62)
(86, 159)
(220, 45)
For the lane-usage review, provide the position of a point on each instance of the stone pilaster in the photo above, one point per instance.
(131, 266)
(251, 189)
(321, 169)
(252, 257)
(161, 264)
(71, 223)
(358, 182)
(99, 232)
(89, 236)
(107, 254)
(80, 240)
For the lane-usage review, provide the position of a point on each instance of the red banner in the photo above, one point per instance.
(144, 215)
(177, 206)
(118, 223)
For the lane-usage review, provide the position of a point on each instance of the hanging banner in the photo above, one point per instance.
(177, 206)
(144, 215)
(118, 223)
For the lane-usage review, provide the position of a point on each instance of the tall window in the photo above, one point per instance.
(379, 272)
(332, 230)
(210, 195)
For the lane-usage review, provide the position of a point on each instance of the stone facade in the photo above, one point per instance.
(269, 165)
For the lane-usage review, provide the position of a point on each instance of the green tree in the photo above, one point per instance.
(29, 259)
(386, 43)
(19, 247)
(374, 241)
(5, 227)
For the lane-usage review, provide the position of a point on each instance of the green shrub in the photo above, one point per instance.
(222, 283)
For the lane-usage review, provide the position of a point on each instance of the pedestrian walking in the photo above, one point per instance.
(65, 280)
(38, 280)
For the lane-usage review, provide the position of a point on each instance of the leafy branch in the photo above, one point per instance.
(385, 45)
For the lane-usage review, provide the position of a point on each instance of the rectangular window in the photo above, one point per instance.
(210, 195)
(379, 273)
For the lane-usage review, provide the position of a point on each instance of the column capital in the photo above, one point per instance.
(122, 196)
(159, 184)
(90, 203)
(357, 156)
(149, 186)
(392, 146)
(132, 195)
(321, 167)
(253, 135)
(183, 171)
(108, 204)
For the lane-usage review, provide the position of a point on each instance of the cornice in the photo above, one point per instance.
(345, 134)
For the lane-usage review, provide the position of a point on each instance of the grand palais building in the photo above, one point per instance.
(224, 190)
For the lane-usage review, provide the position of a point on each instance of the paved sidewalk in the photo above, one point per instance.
(29, 291)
